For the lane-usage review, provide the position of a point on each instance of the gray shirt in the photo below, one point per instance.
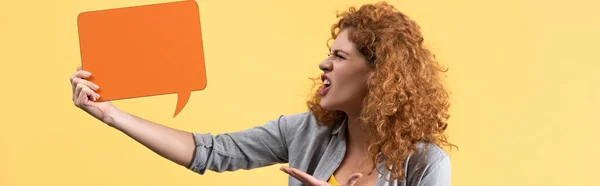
(318, 150)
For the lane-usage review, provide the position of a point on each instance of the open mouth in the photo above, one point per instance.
(325, 80)
(326, 84)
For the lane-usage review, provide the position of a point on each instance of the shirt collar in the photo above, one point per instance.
(340, 126)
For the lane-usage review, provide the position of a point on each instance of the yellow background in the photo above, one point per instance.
(524, 80)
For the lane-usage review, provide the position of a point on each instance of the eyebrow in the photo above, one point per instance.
(339, 50)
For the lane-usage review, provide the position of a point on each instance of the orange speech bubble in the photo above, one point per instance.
(144, 51)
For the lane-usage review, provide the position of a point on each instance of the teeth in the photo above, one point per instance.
(326, 82)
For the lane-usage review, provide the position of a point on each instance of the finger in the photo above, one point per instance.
(353, 179)
(80, 85)
(301, 178)
(293, 174)
(79, 68)
(80, 74)
(289, 171)
(77, 91)
(77, 81)
(87, 83)
(82, 97)
(305, 177)
(84, 94)
(297, 175)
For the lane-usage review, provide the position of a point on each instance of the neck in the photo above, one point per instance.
(357, 135)
(357, 142)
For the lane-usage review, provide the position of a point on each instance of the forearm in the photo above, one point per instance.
(173, 144)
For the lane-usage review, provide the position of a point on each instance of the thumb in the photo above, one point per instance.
(353, 179)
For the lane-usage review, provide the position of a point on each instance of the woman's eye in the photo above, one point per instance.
(336, 55)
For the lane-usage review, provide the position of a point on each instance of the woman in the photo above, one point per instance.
(378, 118)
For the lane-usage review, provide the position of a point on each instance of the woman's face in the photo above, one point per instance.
(345, 76)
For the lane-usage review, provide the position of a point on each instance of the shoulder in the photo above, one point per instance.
(297, 118)
(301, 123)
(296, 121)
(429, 163)
(428, 154)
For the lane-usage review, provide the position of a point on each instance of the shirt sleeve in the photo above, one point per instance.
(429, 165)
(251, 148)
(437, 174)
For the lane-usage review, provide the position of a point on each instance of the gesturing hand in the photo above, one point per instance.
(309, 180)
(84, 96)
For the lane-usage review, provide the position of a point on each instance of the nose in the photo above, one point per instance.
(326, 66)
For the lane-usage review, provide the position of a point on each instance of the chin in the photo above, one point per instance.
(326, 104)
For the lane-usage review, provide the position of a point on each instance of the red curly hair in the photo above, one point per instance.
(406, 101)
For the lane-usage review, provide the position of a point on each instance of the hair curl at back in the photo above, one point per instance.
(406, 101)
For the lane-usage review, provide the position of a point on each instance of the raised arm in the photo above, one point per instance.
(251, 148)
(172, 144)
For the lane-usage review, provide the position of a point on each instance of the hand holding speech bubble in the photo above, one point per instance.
(144, 51)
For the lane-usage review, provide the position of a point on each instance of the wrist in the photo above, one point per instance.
(114, 117)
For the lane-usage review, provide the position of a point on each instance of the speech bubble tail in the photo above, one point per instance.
(182, 99)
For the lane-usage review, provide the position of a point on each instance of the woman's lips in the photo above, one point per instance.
(326, 85)
(323, 90)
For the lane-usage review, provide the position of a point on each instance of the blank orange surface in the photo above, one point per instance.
(144, 50)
